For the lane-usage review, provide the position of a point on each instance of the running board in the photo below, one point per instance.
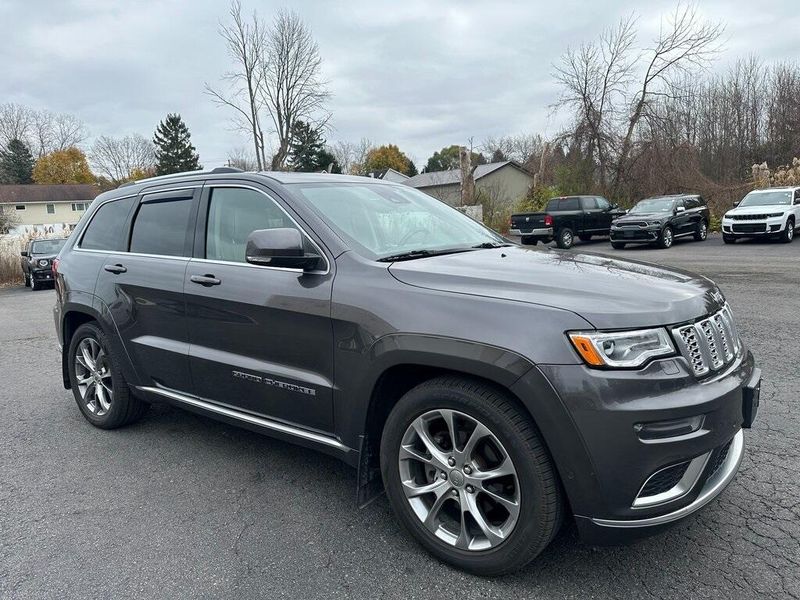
(247, 418)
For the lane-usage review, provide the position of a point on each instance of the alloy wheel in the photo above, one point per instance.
(667, 237)
(703, 230)
(790, 231)
(93, 375)
(459, 480)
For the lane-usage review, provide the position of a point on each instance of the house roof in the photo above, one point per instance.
(20, 194)
(453, 176)
(384, 172)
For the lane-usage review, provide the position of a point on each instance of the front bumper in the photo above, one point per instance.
(635, 234)
(543, 232)
(736, 228)
(608, 406)
(42, 274)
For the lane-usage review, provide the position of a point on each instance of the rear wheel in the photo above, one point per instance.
(701, 233)
(565, 238)
(27, 281)
(98, 385)
(618, 245)
(788, 232)
(468, 476)
(666, 238)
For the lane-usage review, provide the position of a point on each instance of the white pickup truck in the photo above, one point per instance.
(773, 212)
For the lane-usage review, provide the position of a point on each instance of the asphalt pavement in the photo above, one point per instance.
(181, 506)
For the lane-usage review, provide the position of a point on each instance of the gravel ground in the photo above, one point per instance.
(181, 506)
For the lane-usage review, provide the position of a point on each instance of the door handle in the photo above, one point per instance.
(206, 280)
(117, 269)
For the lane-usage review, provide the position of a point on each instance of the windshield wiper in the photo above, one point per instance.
(422, 253)
(491, 245)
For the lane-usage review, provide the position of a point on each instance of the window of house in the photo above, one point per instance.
(51, 209)
(20, 207)
(233, 214)
(78, 206)
(160, 227)
(105, 230)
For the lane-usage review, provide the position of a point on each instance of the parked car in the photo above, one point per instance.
(564, 219)
(772, 213)
(37, 261)
(662, 219)
(372, 322)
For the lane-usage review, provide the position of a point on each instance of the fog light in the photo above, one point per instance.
(659, 430)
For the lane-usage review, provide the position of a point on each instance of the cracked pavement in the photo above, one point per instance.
(182, 506)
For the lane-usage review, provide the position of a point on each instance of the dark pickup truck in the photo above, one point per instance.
(564, 219)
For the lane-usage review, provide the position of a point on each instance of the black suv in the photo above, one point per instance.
(660, 220)
(373, 322)
(37, 261)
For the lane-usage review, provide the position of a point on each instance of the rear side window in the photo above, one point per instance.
(551, 205)
(233, 213)
(160, 227)
(104, 231)
(569, 204)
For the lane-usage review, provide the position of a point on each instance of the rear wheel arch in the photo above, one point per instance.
(70, 322)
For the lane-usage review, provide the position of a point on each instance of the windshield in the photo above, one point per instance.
(767, 198)
(384, 221)
(47, 246)
(654, 205)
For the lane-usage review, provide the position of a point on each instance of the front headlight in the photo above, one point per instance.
(726, 216)
(621, 349)
(43, 262)
(773, 215)
(654, 223)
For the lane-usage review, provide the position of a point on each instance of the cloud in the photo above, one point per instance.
(416, 73)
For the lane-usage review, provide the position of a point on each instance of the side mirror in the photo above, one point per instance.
(24, 253)
(680, 209)
(735, 204)
(282, 247)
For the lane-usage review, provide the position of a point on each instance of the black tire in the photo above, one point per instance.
(124, 407)
(540, 503)
(728, 239)
(585, 237)
(701, 232)
(666, 238)
(27, 281)
(565, 238)
(34, 285)
(618, 245)
(787, 235)
(529, 241)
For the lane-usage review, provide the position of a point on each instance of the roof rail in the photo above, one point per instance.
(182, 174)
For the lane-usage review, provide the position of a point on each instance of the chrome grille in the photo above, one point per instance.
(748, 217)
(709, 344)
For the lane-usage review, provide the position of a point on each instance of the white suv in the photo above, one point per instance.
(774, 212)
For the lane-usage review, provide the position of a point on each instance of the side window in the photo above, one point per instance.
(160, 227)
(552, 206)
(570, 204)
(603, 204)
(589, 203)
(104, 231)
(233, 213)
(797, 196)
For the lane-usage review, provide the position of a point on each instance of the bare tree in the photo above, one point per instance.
(292, 87)
(352, 156)
(15, 123)
(55, 131)
(240, 158)
(246, 43)
(120, 158)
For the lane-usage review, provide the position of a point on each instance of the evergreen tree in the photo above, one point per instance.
(304, 148)
(174, 150)
(326, 159)
(16, 163)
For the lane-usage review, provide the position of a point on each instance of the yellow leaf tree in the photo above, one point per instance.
(389, 157)
(63, 166)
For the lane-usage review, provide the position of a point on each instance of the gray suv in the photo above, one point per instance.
(491, 390)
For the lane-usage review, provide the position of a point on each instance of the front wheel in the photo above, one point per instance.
(34, 285)
(701, 233)
(467, 474)
(100, 389)
(666, 238)
(565, 238)
(788, 232)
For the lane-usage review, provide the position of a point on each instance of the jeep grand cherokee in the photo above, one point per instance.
(490, 389)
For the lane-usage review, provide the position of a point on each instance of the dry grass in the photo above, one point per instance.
(10, 270)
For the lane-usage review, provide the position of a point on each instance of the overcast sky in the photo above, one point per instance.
(420, 74)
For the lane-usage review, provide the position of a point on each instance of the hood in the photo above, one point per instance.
(759, 210)
(608, 293)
